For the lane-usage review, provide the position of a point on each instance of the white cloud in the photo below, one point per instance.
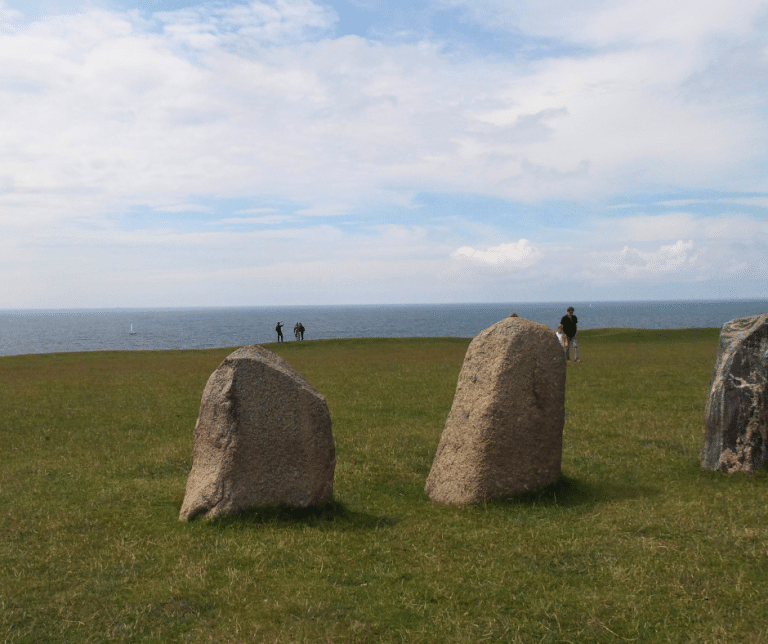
(181, 207)
(676, 225)
(652, 21)
(716, 247)
(207, 26)
(603, 22)
(660, 227)
(635, 263)
(731, 228)
(264, 219)
(101, 100)
(254, 211)
(677, 203)
(390, 263)
(325, 210)
(106, 113)
(760, 202)
(521, 254)
(8, 17)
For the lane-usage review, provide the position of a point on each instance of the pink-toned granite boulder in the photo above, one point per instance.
(263, 438)
(504, 434)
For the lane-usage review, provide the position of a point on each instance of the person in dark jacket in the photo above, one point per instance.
(569, 322)
(279, 329)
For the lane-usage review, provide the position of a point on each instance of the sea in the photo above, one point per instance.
(66, 330)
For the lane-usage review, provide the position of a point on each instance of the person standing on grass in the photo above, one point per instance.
(301, 330)
(569, 322)
(279, 329)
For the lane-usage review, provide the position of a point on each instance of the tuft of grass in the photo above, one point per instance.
(634, 543)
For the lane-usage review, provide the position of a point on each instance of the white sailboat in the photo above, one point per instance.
(132, 331)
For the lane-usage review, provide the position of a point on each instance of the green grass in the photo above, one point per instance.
(635, 543)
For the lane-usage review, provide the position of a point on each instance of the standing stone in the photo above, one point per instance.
(504, 434)
(263, 438)
(736, 438)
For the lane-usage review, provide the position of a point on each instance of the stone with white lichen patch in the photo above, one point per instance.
(736, 438)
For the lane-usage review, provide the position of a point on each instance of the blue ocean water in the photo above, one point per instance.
(54, 331)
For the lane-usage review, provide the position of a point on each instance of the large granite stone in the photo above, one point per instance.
(504, 434)
(263, 438)
(736, 438)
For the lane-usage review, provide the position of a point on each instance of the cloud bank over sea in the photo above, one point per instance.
(299, 152)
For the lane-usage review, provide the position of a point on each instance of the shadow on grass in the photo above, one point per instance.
(333, 515)
(568, 492)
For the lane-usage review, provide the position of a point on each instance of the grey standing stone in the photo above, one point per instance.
(263, 438)
(504, 433)
(736, 438)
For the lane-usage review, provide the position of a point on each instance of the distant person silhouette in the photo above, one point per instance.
(296, 330)
(279, 329)
(301, 330)
(569, 322)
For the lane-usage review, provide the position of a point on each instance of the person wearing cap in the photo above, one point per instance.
(569, 322)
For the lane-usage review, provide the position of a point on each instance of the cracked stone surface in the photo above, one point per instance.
(504, 433)
(736, 438)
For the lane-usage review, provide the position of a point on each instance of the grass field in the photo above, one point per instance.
(635, 544)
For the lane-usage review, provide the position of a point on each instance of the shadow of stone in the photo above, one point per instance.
(568, 492)
(334, 516)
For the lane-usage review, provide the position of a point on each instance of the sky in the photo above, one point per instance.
(168, 153)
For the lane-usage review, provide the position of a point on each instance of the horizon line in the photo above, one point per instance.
(582, 303)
